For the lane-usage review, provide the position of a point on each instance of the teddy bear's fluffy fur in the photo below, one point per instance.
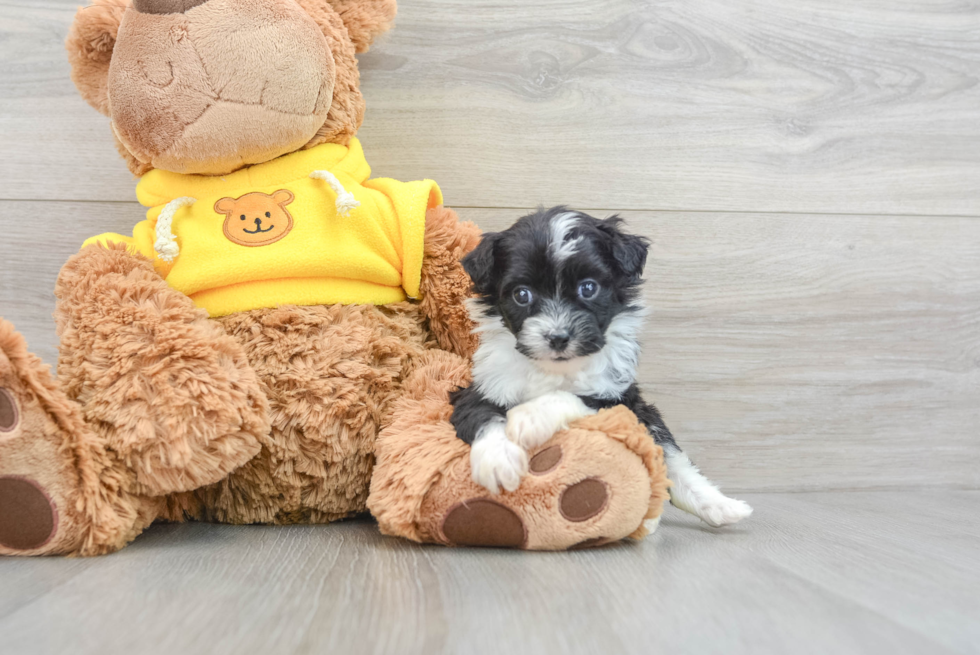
(262, 416)
(270, 415)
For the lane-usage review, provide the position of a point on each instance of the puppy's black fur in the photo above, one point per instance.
(471, 411)
(523, 255)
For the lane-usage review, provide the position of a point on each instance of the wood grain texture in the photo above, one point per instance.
(887, 572)
(786, 352)
(813, 352)
(762, 105)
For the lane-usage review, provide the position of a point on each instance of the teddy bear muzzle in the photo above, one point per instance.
(184, 100)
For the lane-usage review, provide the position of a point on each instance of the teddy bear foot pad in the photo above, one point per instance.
(487, 522)
(582, 490)
(39, 482)
(29, 516)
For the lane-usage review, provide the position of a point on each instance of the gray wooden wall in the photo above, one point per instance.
(808, 172)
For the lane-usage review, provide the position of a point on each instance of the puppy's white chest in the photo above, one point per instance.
(539, 383)
(506, 377)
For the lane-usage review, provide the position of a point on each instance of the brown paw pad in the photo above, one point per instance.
(484, 522)
(545, 461)
(28, 519)
(9, 415)
(583, 500)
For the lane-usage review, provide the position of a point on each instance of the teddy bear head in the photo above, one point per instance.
(211, 86)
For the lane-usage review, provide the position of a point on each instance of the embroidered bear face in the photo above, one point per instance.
(256, 219)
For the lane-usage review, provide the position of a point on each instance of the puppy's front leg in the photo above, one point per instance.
(495, 461)
(532, 423)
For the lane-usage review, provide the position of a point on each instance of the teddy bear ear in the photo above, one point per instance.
(365, 19)
(90, 42)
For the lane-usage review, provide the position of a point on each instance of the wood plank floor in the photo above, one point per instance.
(809, 175)
(850, 572)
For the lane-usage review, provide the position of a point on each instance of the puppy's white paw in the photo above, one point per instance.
(495, 461)
(723, 511)
(711, 506)
(652, 524)
(694, 493)
(532, 423)
(528, 426)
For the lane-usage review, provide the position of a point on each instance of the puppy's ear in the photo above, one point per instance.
(629, 252)
(480, 263)
(91, 38)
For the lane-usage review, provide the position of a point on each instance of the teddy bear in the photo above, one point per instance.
(277, 340)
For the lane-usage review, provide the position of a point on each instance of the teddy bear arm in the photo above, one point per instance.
(445, 285)
(160, 384)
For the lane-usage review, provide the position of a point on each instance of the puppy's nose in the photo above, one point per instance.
(165, 6)
(558, 340)
(258, 222)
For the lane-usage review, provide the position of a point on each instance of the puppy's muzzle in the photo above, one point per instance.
(558, 340)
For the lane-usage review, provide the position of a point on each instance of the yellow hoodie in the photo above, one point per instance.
(308, 228)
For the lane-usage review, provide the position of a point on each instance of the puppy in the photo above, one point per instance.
(558, 313)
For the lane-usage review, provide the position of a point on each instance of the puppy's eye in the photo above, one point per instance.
(243, 217)
(588, 289)
(523, 296)
(268, 215)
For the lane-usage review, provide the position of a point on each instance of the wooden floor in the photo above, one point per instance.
(841, 573)
(809, 175)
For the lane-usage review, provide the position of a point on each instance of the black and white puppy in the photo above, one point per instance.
(559, 314)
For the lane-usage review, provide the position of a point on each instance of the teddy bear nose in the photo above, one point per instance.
(165, 6)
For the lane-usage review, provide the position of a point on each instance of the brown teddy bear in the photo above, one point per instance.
(277, 340)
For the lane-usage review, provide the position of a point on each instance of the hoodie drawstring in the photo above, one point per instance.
(166, 243)
(345, 199)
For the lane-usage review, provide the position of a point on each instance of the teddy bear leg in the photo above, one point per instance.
(590, 485)
(59, 493)
(169, 394)
(594, 484)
